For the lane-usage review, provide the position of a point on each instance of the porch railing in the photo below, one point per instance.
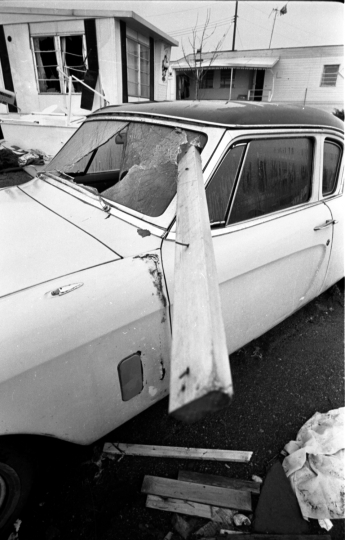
(265, 95)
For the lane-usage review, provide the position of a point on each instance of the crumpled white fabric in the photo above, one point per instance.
(316, 466)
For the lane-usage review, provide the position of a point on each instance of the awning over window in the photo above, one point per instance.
(227, 63)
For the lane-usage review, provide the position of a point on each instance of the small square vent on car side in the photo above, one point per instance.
(131, 376)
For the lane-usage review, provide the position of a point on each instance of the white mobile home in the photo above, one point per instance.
(312, 76)
(67, 62)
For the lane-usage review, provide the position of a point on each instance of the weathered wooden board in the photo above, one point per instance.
(221, 481)
(239, 536)
(200, 379)
(176, 452)
(212, 495)
(190, 508)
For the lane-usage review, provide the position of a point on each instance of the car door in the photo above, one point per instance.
(332, 193)
(263, 206)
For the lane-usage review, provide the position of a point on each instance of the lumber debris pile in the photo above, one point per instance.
(203, 505)
(218, 507)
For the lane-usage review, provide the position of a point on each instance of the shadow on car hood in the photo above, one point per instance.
(37, 245)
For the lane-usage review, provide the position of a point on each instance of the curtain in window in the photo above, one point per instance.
(40, 68)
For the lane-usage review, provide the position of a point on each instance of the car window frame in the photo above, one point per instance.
(232, 138)
(163, 222)
(335, 138)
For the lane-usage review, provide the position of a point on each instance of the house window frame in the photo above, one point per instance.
(139, 84)
(329, 83)
(227, 85)
(57, 48)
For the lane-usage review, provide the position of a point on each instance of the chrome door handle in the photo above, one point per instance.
(328, 223)
(60, 291)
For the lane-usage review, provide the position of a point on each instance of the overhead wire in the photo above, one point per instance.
(219, 22)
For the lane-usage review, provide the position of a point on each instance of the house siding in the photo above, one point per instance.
(294, 79)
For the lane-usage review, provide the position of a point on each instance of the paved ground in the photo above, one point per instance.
(280, 381)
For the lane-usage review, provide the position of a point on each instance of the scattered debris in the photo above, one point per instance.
(315, 466)
(176, 452)
(241, 520)
(17, 156)
(257, 353)
(14, 535)
(257, 479)
(184, 526)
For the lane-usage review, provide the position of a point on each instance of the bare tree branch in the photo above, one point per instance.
(195, 70)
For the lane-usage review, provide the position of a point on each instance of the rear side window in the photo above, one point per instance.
(277, 174)
(331, 162)
(219, 190)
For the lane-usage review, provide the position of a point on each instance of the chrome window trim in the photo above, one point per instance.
(193, 121)
(230, 139)
(340, 177)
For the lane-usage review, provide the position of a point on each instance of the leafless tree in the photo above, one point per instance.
(194, 70)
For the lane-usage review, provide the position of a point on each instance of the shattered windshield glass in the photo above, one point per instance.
(130, 163)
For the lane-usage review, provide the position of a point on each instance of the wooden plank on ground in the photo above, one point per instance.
(213, 495)
(268, 536)
(176, 452)
(200, 380)
(221, 481)
(190, 508)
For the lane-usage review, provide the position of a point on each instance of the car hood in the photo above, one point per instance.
(48, 233)
(37, 245)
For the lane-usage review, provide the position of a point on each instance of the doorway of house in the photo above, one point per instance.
(259, 84)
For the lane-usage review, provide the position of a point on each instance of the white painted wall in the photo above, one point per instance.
(294, 76)
(22, 67)
(160, 87)
(109, 58)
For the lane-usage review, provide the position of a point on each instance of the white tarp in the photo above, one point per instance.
(316, 466)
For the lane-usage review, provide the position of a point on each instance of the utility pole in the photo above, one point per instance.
(235, 21)
(274, 21)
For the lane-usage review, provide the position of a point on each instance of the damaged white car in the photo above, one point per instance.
(88, 247)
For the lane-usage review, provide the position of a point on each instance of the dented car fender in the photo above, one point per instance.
(61, 378)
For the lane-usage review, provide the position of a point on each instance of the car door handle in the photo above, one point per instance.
(328, 223)
(60, 291)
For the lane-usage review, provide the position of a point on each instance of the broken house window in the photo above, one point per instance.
(68, 53)
(132, 164)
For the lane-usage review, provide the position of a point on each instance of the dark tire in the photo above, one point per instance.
(16, 477)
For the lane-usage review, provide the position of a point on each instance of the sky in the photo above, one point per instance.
(306, 23)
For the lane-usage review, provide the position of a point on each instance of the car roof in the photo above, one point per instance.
(236, 114)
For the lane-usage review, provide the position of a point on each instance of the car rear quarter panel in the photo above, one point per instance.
(60, 377)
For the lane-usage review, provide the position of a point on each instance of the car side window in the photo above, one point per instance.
(331, 161)
(277, 174)
(219, 189)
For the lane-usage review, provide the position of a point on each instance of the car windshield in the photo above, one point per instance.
(130, 163)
